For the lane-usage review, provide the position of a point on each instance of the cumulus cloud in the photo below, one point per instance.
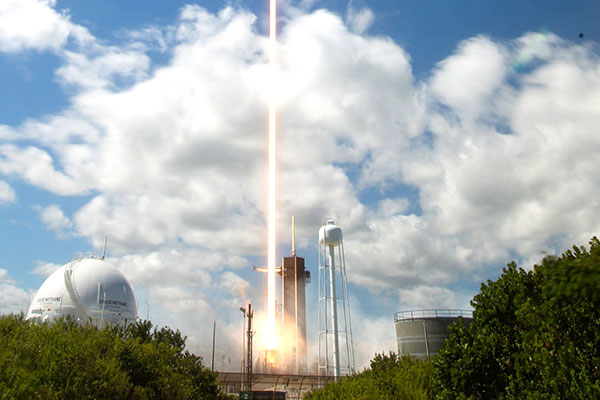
(195, 128)
(35, 24)
(5, 277)
(359, 20)
(427, 297)
(105, 70)
(36, 166)
(175, 266)
(505, 171)
(468, 79)
(54, 218)
(7, 193)
(45, 269)
(522, 187)
(13, 299)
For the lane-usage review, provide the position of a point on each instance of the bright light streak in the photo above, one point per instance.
(271, 332)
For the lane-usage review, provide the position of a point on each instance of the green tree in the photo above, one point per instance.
(561, 349)
(535, 334)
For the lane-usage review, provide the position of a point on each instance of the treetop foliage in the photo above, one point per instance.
(65, 360)
(535, 334)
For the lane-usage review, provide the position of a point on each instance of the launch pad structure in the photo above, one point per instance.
(291, 355)
(294, 278)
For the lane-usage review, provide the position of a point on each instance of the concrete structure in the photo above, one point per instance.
(336, 349)
(421, 333)
(87, 289)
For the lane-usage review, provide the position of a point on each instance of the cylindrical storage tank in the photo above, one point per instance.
(421, 333)
(88, 289)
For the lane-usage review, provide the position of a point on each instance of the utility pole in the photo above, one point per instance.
(250, 314)
(212, 364)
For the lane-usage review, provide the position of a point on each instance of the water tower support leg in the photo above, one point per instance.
(336, 343)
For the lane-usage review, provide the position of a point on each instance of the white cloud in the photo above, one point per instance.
(54, 218)
(152, 37)
(45, 269)
(359, 20)
(172, 267)
(427, 297)
(467, 80)
(401, 251)
(178, 300)
(13, 299)
(527, 188)
(7, 132)
(103, 71)
(177, 132)
(7, 193)
(35, 166)
(5, 277)
(35, 24)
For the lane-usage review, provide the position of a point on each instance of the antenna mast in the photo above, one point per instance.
(104, 250)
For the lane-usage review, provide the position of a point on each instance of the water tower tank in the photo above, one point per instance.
(330, 234)
(88, 289)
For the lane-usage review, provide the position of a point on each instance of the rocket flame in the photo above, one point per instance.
(271, 341)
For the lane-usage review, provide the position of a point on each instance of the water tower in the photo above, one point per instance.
(336, 350)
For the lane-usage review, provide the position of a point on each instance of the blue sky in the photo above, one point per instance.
(445, 138)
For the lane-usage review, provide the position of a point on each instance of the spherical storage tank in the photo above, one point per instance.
(88, 289)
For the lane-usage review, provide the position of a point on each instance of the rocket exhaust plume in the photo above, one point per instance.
(270, 331)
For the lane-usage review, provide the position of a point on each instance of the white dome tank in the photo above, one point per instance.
(88, 289)
(330, 234)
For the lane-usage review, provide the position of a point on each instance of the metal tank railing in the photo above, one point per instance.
(432, 313)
